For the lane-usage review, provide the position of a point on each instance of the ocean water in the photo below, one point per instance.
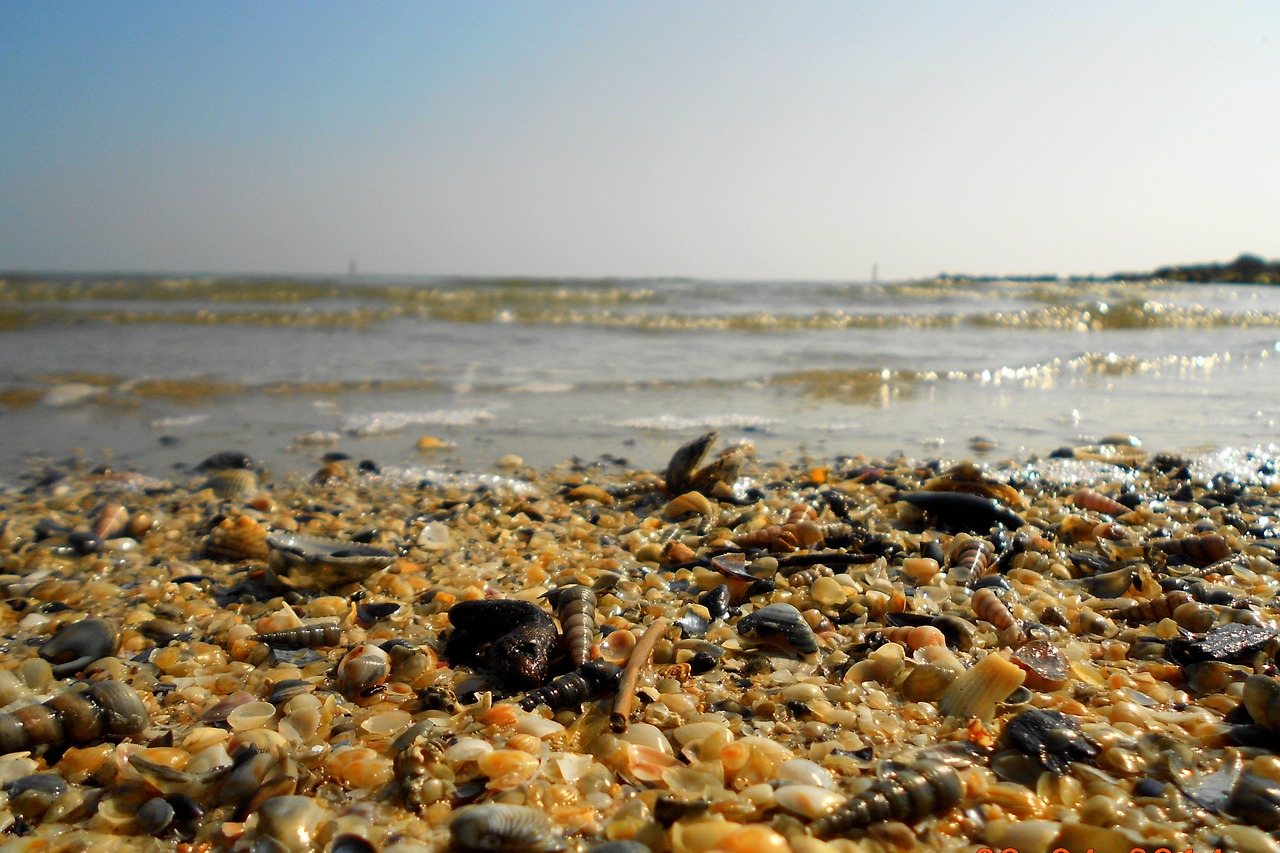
(155, 374)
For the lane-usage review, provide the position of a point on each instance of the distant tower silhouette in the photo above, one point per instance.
(875, 272)
(351, 268)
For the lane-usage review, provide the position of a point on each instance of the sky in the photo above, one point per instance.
(721, 140)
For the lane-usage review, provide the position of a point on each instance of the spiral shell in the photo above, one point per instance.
(362, 669)
(1156, 609)
(908, 795)
(987, 605)
(591, 681)
(105, 708)
(1098, 502)
(576, 607)
(1197, 550)
(307, 637)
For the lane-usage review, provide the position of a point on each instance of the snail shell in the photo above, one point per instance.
(364, 667)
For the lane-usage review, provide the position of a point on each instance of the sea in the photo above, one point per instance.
(153, 374)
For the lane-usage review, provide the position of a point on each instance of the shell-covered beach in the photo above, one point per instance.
(1073, 650)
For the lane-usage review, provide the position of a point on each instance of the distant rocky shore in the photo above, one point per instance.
(1246, 269)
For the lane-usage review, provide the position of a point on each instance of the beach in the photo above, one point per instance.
(870, 653)
(974, 566)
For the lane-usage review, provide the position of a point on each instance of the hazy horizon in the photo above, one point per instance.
(713, 140)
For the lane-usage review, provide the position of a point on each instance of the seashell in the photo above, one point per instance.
(961, 511)
(716, 601)
(227, 459)
(617, 646)
(78, 644)
(238, 538)
(987, 605)
(780, 621)
(805, 772)
(684, 462)
(356, 767)
(155, 815)
(1050, 737)
(111, 520)
(689, 503)
(503, 827)
(363, 668)
(692, 623)
(1111, 584)
(104, 708)
(1098, 502)
(808, 801)
(591, 681)
(290, 823)
(914, 637)
(968, 477)
(354, 833)
(970, 558)
(740, 583)
(299, 561)
(1197, 550)
(1155, 609)
(977, 691)
(576, 607)
(312, 636)
(164, 631)
(1045, 665)
(908, 795)
(251, 715)
(31, 796)
(234, 484)
(926, 683)
(1257, 799)
(1262, 700)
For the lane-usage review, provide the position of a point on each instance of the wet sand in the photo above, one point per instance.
(1055, 652)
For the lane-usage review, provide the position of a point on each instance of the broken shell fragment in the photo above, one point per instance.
(298, 561)
(979, 689)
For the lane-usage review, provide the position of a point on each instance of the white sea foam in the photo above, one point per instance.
(179, 422)
(671, 423)
(379, 423)
(438, 477)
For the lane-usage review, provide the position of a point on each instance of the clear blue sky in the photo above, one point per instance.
(731, 139)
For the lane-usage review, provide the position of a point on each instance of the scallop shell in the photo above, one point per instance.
(500, 826)
(299, 561)
(977, 692)
(927, 683)
(233, 484)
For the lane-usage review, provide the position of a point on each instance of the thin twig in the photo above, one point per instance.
(640, 656)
